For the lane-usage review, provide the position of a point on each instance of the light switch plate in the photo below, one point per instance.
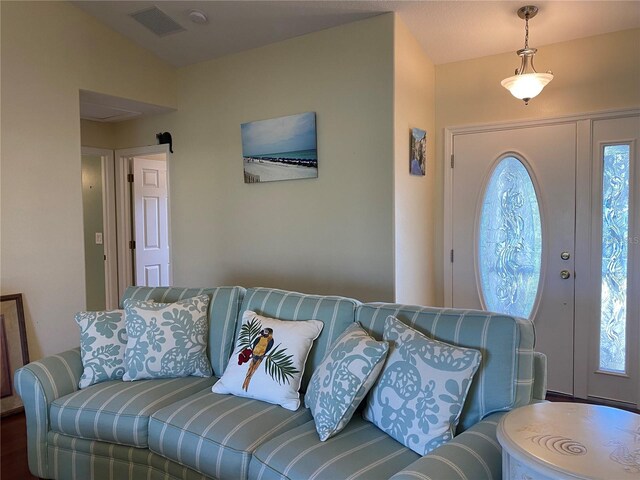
(98, 238)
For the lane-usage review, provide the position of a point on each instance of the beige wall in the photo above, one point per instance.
(591, 74)
(364, 228)
(414, 99)
(333, 234)
(92, 206)
(51, 50)
(98, 134)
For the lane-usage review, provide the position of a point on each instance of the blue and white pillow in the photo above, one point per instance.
(167, 340)
(421, 390)
(103, 340)
(342, 380)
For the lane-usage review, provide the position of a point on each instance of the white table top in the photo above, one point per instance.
(574, 440)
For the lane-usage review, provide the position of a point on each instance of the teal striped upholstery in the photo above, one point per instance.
(217, 434)
(117, 411)
(194, 434)
(335, 312)
(38, 384)
(540, 376)
(360, 451)
(223, 312)
(474, 454)
(505, 377)
(75, 458)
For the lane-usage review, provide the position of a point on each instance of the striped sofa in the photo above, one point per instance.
(179, 429)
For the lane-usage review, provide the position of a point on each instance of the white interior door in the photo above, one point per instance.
(151, 222)
(513, 232)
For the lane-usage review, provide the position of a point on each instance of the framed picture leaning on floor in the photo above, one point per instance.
(13, 350)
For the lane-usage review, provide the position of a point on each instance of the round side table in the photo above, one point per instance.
(570, 441)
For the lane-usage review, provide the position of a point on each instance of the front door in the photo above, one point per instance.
(513, 233)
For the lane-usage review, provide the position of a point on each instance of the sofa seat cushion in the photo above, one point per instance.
(360, 451)
(67, 457)
(216, 434)
(117, 411)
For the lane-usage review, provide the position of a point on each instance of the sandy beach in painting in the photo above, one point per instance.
(261, 170)
(282, 148)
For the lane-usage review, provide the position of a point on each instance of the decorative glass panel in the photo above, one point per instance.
(615, 231)
(510, 240)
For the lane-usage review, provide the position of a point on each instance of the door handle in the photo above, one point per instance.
(564, 274)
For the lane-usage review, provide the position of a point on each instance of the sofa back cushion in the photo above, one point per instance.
(337, 313)
(505, 377)
(223, 312)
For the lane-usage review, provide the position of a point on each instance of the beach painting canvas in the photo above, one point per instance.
(281, 148)
(418, 155)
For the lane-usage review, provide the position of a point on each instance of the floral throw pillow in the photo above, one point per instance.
(421, 390)
(342, 380)
(103, 339)
(268, 360)
(167, 340)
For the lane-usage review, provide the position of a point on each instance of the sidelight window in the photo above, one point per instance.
(615, 250)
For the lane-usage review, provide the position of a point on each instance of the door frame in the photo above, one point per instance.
(583, 228)
(126, 274)
(108, 223)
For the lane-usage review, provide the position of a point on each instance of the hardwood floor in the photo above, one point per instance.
(13, 444)
(13, 434)
(557, 397)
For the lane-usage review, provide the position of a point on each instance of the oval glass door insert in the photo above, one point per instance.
(510, 240)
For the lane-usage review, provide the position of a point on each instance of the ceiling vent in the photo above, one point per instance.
(157, 21)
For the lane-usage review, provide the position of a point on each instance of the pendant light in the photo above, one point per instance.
(527, 83)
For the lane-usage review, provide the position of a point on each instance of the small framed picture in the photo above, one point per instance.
(13, 350)
(418, 152)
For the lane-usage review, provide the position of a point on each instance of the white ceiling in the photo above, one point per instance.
(449, 31)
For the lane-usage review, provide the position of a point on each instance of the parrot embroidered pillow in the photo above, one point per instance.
(421, 390)
(103, 340)
(167, 340)
(268, 360)
(343, 379)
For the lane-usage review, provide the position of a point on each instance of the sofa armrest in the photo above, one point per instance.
(475, 453)
(39, 383)
(539, 391)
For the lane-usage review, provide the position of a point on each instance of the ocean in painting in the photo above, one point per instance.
(264, 162)
(296, 155)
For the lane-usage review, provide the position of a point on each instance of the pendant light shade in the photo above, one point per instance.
(526, 86)
(527, 83)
